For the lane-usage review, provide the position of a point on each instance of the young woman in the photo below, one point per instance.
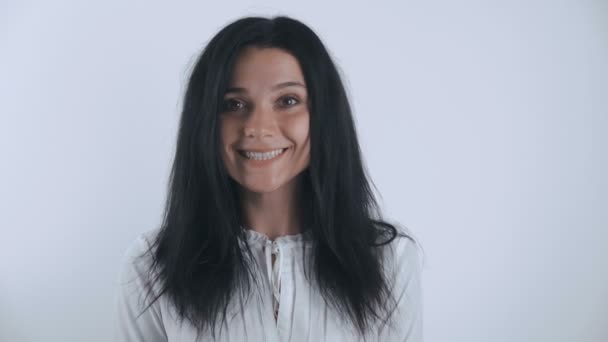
(271, 231)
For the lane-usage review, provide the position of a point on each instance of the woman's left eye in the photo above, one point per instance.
(289, 101)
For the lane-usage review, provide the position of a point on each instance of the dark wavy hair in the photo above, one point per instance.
(196, 256)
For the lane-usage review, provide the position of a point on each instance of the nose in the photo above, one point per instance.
(260, 123)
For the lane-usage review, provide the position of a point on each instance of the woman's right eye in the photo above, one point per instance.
(230, 105)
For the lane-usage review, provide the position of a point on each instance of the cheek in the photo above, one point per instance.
(228, 130)
(300, 133)
(228, 133)
(300, 130)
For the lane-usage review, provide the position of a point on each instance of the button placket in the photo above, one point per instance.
(276, 275)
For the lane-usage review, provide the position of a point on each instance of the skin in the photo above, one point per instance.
(265, 108)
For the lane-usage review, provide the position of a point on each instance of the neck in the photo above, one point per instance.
(273, 213)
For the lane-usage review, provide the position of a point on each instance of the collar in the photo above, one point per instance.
(284, 240)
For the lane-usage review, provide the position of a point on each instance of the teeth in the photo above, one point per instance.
(263, 156)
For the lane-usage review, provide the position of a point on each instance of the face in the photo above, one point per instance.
(264, 121)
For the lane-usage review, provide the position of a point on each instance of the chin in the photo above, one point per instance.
(260, 187)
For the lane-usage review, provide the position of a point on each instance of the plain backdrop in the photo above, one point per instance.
(483, 125)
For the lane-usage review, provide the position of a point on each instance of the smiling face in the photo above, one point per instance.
(264, 121)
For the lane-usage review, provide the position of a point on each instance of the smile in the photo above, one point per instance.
(262, 155)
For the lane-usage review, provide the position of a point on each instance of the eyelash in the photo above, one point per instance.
(226, 102)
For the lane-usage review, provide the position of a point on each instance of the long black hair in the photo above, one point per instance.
(196, 259)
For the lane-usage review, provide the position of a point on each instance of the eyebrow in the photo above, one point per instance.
(275, 87)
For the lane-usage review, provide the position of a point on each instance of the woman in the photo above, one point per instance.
(271, 231)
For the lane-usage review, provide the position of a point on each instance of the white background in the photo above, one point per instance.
(483, 125)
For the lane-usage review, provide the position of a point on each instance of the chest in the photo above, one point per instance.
(302, 315)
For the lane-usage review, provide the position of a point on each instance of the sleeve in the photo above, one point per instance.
(406, 280)
(129, 325)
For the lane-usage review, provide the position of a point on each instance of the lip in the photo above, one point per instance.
(259, 150)
(262, 163)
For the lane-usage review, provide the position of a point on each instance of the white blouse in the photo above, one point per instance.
(302, 313)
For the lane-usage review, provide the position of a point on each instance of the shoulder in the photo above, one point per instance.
(403, 261)
(134, 319)
(404, 251)
(135, 270)
(137, 255)
(140, 244)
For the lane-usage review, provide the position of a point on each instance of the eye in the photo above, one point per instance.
(231, 105)
(289, 101)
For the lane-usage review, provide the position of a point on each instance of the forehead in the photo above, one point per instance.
(265, 66)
